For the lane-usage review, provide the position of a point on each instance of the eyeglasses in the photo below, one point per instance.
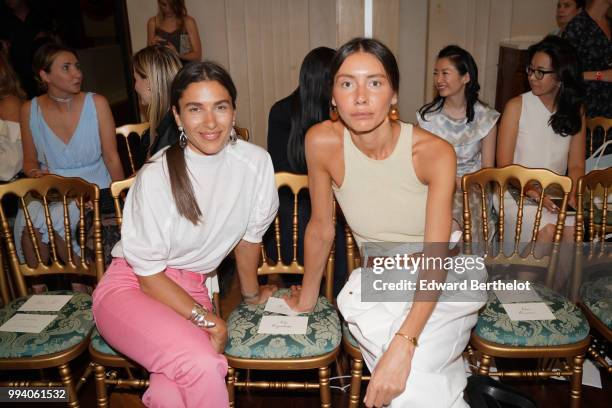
(538, 73)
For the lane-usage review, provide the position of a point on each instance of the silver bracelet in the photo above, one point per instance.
(252, 296)
(198, 316)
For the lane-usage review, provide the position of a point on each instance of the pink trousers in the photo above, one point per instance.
(185, 369)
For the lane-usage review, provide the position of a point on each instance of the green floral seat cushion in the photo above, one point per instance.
(72, 325)
(100, 345)
(597, 296)
(570, 325)
(323, 334)
(347, 334)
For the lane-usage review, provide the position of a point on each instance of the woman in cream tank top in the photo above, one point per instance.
(394, 184)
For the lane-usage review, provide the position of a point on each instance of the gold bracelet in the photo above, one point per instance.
(412, 340)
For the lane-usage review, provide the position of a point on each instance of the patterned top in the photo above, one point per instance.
(465, 137)
(595, 54)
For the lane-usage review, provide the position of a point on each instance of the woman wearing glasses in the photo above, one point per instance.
(544, 128)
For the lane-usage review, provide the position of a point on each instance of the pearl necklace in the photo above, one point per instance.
(67, 100)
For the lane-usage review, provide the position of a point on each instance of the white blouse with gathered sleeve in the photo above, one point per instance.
(237, 195)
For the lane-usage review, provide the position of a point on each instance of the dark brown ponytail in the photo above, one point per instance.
(182, 189)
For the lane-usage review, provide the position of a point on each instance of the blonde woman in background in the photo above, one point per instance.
(173, 28)
(154, 69)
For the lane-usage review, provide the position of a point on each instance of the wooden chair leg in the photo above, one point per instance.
(66, 376)
(485, 363)
(230, 385)
(576, 386)
(324, 389)
(355, 393)
(101, 394)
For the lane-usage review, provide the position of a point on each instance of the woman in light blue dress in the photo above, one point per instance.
(457, 116)
(64, 132)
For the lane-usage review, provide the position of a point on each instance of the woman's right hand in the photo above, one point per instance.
(534, 194)
(218, 333)
(36, 173)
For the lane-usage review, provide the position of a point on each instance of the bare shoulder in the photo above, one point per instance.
(514, 105)
(427, 147)
(100, 101)
(325, 137)
(25, 109)
(151, 22)
(190, 21)
(10, 106)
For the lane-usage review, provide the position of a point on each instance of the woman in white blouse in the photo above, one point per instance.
(189, 207)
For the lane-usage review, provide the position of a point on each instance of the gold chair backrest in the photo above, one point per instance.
(296, 183)
(597, 183)
(598, 122)
(242, 133)
(117, 188)
(502, 177)
(126, 131)
(47, 190)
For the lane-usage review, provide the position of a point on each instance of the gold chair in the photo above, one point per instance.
(242, 133)
(246, 349)
(495, 334)
(597, 122)
(126, 131)
(66, 337)
(594, 292)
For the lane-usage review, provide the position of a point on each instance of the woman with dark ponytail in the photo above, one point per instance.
(191, 204)
(457, 116)
(545, 128)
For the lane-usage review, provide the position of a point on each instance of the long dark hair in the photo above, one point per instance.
(464, 64)
(371, 46)
(309, 103)
(182, 190)
(567, 119)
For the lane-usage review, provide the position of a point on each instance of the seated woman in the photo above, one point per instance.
(457, 116)
(65, 132)
(545, 128)
(152, 304)
(173, 28)
(11, 99)
(154, 69)
(394, 183)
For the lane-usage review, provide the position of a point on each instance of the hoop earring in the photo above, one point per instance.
(394, 113)
(333, 113)
(233, 137)
(182, 137)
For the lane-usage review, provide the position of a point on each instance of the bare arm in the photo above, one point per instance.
(31, 167)
(247, 260)
(606, 76)
(489, 143)
(194, 37)
(108, 138)
(508, 131)
(435, 164)
(151, 31)
(575, 160)
(320, 232)
(10, 107)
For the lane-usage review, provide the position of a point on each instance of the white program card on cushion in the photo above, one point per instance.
(27, 323)
(45, 303)
(528, 311)
(278, 305)
(518, 296)
(283, 325)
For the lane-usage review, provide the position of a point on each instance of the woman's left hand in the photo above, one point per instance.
(391, 373)
(265, 291)
(218, 333)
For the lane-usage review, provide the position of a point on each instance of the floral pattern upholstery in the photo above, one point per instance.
(570, 325)
(72, 325)
(323, 334)
(597, 296)
(100, 345)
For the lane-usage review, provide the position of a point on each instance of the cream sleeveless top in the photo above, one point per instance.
(382, 200)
